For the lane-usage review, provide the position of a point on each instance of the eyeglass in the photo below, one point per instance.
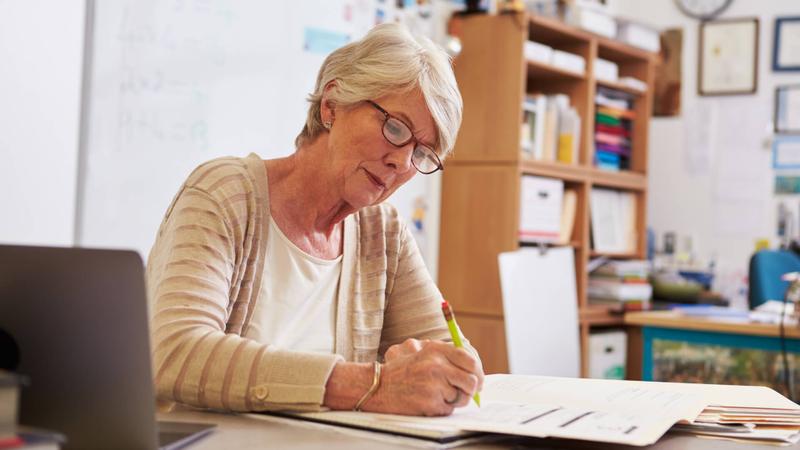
(424, 158)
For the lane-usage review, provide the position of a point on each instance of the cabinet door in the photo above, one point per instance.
(479, 221)
(488, 336)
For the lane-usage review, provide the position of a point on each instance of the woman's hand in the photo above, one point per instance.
(408, 347)
(427, 378)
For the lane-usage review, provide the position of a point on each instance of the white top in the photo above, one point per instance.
(297, 306)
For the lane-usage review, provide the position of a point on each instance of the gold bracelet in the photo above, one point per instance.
(376, 381)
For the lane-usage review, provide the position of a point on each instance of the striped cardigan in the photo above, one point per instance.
(204, 278)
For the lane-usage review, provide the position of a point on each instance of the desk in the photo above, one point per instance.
(665, 336)
(244, 433)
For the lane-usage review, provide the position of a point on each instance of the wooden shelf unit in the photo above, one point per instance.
(481, 186)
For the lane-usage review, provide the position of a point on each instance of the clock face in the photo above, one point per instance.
(703, 9)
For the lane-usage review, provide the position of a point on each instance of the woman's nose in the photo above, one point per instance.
(399, 158)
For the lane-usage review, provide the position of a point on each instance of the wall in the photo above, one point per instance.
(54, 194)
(41, 47)
(710, 175)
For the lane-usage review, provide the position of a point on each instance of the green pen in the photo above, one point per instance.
(451, 325)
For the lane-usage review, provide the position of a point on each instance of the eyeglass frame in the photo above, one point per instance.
(386, 116)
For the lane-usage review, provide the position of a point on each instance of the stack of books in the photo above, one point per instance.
(12, 435)
(613, 123)
(621, 284)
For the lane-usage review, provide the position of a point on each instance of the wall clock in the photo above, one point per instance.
(703, 9)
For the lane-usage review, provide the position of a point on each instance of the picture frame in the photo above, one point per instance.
(728, 57)
(786, 153)
(786, 45)
(786, 112)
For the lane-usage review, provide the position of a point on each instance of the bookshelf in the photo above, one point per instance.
(481, 185)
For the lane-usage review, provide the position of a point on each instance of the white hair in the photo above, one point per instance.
(389, 60)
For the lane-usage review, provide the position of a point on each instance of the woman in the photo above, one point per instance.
(281, 284)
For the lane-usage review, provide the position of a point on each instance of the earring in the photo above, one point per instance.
(327, 125)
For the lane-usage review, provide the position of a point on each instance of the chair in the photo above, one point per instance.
(766, 268)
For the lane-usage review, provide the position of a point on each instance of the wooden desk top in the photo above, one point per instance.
(671, 319)
(246, 432)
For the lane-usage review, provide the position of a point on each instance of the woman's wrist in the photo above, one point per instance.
(347, 384)
(376, 382)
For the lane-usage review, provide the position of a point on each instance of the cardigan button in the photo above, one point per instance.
(261, 392)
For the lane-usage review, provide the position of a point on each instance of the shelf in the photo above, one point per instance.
(574, 244)
(620, 52)
(620, 87)
(620, 180)
(600, 315)
(542, 71)
(567, 172)
(489, 154)
(596, 254)
(551, 31)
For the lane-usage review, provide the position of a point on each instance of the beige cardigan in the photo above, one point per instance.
(204, 278)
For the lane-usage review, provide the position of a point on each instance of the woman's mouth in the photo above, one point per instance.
(375, 180)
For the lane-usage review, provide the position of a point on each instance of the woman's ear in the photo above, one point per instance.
(327, 108)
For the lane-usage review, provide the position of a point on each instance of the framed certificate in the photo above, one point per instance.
(728, 57)
(787, 109)
(786, 48)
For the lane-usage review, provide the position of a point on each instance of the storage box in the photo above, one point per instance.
(592, 19)
(607, 352)
(535, 51)
(639, 35)
(569, 61)
(606, 70)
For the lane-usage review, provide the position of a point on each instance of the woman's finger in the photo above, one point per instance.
(460, 379)
(457, 357)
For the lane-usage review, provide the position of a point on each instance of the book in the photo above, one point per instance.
(613, 220)
(9, 399)
(569, 134)
(634, 268)
(618, 290)
(550, 130)
(569, 207)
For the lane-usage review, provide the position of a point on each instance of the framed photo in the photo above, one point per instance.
(728, 57)
(786, 45)
(786, 116)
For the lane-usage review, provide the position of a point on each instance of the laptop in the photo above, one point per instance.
(74, 322)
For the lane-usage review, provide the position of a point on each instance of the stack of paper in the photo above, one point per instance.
(764, 425)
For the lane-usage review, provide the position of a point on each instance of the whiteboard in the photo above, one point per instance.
(41, 43)
(540, 304)
(175, 83)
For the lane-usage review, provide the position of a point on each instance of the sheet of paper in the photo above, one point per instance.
(596, 410)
